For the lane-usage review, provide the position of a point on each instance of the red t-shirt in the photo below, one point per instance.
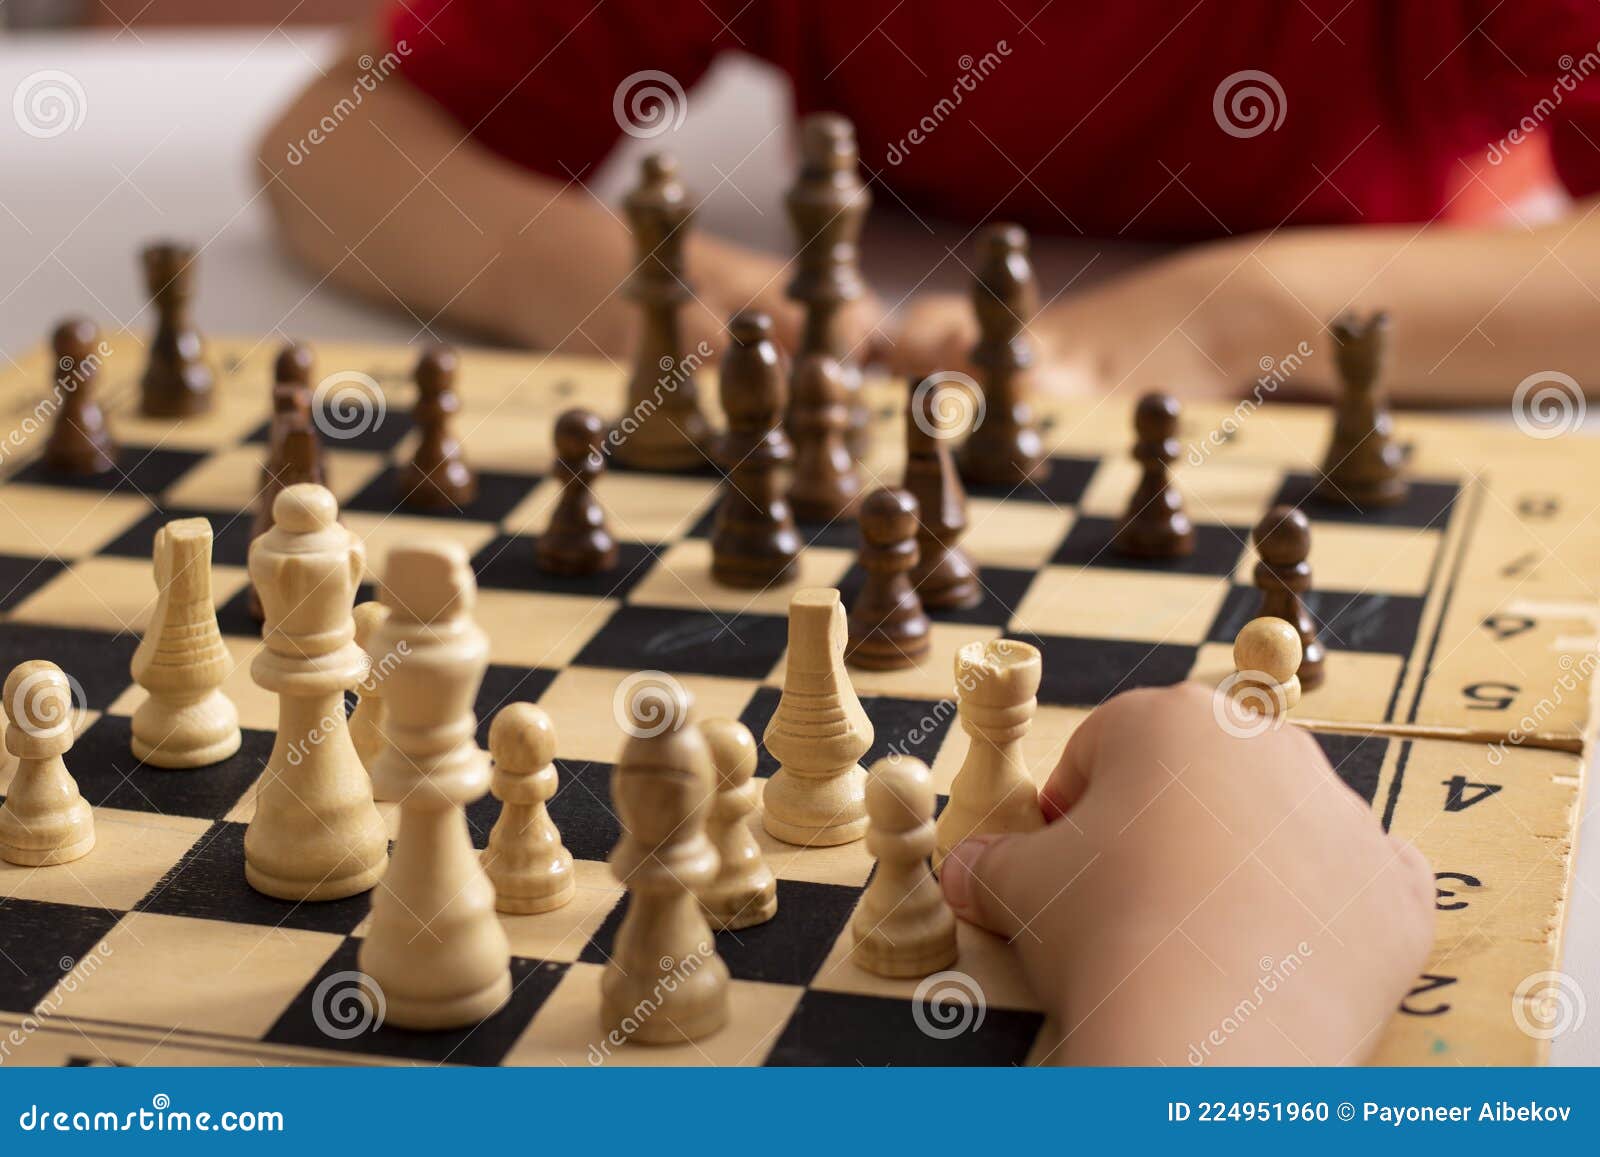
(1126, 118)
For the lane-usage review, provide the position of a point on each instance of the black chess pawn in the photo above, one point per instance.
(291, 397)
(944, 576)
(1283, 542)
(79, 444)
(577, 542)
(1004, 447)
(1155, 525)
(663, 427)
(294, 365)
(754, 543)
(1364, 466)
(888, 629)
(828, 205)
(177, 381)
(437, 477)
(300, 461)
(827, 482)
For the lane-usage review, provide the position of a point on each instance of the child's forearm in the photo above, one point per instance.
(1475, 310)
(395, 202)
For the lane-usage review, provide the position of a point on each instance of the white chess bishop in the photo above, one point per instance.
(187, 721)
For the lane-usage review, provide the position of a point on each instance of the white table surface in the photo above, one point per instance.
(166, 147)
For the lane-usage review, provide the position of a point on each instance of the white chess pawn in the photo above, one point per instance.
(43, 820)
(187, 721)
(903, 927)
(996, 686)
(744, 892)
(1266, 657)
(529, 866)
(366, 721)
(665, 982)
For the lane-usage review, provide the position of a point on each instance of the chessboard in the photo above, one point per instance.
(1460, 628)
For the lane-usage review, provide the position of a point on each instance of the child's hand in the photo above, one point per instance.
(1196, 324)
(1199, 897)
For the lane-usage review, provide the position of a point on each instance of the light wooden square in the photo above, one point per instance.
(1104, 603)
(230, 479)
(582, 702)
(562, 934)
(379, 532)
(197, 975)
(40, 521)
(639, 508)
(532, 629)
(110, 594)
(567, 1030)
(219, 426)
(1022, 535)
(993, 974)
(1215, 492)
(682, 578)
(848, 864)
(1383, 560)
(498, 437)
(132, 851)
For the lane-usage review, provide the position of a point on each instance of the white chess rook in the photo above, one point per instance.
(187, 721)
(316, 834)
(435, 947)
(997, 683)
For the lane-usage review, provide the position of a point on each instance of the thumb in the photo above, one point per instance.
(987, 881)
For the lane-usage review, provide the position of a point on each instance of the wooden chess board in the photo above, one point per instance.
(1460, 629)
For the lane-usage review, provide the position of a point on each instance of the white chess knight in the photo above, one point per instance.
(187, 721)
(316, 834)
(435, 947)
